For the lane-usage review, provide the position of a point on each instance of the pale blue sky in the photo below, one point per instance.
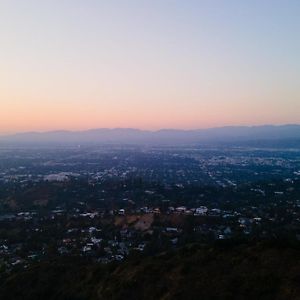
(148, 64)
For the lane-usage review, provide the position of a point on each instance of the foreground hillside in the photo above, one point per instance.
(194, 272)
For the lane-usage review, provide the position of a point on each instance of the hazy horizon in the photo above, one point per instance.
(149, 130)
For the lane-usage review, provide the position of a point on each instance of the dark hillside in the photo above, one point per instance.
(194, 272)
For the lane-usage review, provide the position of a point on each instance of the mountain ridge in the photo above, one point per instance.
(164, 136)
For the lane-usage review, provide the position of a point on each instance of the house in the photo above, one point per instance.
(181, 209)
(121, 212)
(201, 211)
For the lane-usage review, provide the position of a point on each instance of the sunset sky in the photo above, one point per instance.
(70, 64)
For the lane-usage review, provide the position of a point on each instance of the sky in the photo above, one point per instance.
(80, 64)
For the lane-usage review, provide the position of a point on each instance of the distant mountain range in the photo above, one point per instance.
(164, 136)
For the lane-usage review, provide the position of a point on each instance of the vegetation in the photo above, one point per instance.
(225, 270)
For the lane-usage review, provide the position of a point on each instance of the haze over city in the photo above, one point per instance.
(77, 65)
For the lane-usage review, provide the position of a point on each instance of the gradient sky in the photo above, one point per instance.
(70, 64)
